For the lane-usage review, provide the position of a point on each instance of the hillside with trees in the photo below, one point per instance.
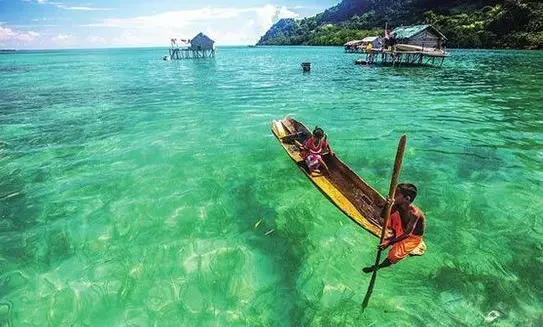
(467, 24)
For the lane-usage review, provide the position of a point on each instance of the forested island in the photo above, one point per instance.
(466, 23)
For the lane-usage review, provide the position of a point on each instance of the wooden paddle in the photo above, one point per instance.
(391, 191)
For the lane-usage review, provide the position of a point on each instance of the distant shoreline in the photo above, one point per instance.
(13, 51)
(448, 48)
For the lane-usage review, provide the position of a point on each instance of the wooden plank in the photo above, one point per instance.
(289, 125)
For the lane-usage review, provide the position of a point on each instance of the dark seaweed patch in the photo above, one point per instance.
(286, 248)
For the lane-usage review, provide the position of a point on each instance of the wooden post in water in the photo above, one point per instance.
(391, 192)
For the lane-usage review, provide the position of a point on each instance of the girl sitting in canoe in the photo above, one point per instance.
(312, 151)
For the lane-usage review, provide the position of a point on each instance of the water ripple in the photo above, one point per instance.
(131, 188)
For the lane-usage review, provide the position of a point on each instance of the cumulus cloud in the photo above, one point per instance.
(225, 25)
(128, 38)
(8, 34)
(27, 36)
(270, 14)
(62, 38)
(61, 5)
(265, 14)
(260, 20)
(96, 39)
(80, 8)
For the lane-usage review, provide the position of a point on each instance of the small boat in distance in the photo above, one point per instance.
(167, 58)
(344, 188)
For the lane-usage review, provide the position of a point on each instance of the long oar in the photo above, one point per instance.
(391, 191)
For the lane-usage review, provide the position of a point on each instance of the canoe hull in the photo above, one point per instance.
(346, 190)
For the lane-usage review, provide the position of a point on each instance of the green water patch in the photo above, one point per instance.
(282, 237)
(16, 210)
(5, 314)
(131, 189)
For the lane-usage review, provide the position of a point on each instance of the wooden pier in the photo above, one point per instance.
(418, 45)
(190, 53)
(403, 58)
(360, 46)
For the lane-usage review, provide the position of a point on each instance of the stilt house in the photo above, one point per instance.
(425, 36)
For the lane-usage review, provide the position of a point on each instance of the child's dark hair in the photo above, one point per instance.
(409, 190)
(318, 132)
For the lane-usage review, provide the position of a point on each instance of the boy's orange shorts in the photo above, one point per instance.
(411, 245)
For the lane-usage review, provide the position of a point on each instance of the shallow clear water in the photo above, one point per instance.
(130, 188)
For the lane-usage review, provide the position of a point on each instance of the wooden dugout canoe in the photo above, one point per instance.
(346, 190)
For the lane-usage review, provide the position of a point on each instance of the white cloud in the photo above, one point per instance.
(27, 36)
(80, 8)
(62, 38)
(224, 25)
(269, 14)
(61, 5)
(7, 34)
(284, 12)
(227, 26)
(184, 17)
(96, 39)
(131, 39)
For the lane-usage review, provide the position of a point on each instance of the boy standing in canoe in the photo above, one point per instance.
(407, 223)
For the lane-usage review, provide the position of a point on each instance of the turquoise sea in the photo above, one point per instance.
(130, 188)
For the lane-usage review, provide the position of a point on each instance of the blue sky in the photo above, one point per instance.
(43, 24)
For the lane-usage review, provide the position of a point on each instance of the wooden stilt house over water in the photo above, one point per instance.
(375, 41)
(201, 46)
(361, 45)
(353, 46)
(411, 45)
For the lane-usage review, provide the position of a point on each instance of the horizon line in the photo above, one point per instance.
(156, 46)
